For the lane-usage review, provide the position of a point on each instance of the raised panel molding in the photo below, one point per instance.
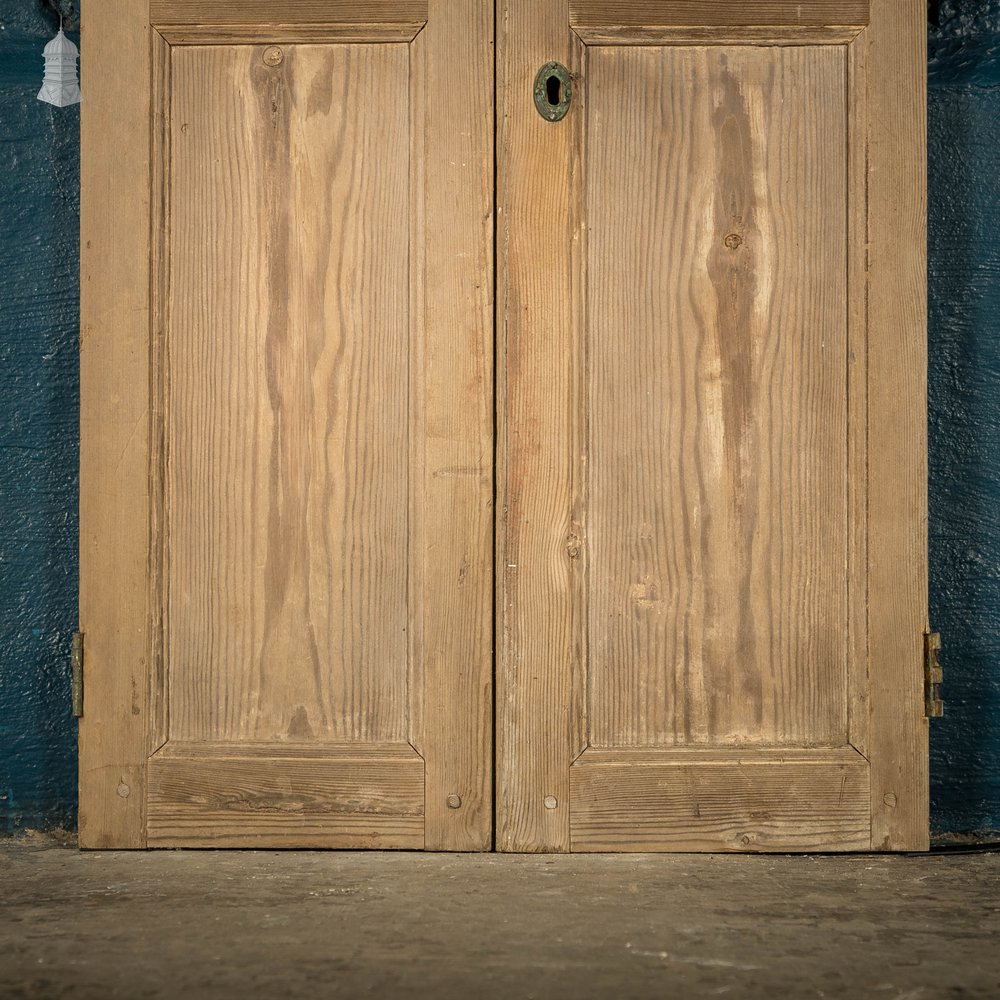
(197, 22)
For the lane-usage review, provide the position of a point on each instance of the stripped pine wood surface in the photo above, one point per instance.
(538, 528)
(897, 393)
(197, 22)
(453, 130)
(345, 797)
(768, 545)
(216, 16)
(716, 342)
(320, 331)
(114, 426)
(287, 427)
(718, 13)
(710, 400)
(857, 397)
(771, 36)
(336, 32)
(686, 800)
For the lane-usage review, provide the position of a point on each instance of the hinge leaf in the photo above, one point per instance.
(76, 662)
(933, 676)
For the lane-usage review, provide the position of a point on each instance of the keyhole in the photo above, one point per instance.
(553, 91)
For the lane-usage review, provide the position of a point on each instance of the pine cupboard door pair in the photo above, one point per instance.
(430, 434)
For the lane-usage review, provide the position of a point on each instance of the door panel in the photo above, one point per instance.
(286, 440)
(710, 800)
(286, 452)
(716, 399)
(303, 625)
(690, 570)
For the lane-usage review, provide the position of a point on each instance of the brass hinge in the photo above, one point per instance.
(76, 662)
(933, 676)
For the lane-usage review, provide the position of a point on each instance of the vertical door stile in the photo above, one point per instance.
(897, 392)
(115, 425)
(537, 543)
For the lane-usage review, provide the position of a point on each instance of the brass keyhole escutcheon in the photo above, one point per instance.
(553, 91)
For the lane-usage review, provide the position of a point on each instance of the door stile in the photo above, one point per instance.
(114, 428)
(538, 543)
(897, 445)
(455, 56)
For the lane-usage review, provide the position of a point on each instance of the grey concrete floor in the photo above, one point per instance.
(282, 924)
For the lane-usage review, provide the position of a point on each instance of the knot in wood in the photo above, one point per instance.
(273, 56)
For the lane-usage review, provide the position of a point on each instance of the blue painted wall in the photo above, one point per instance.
(39, 428)
(39, 178)
(964, 244)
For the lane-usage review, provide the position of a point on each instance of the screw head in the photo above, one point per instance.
(273, 56)
(454, 801)
(551, 802)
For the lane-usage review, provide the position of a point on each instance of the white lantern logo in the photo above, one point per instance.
(59, 86)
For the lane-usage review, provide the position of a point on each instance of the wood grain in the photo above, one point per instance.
(316, 307)
(688, 800)
(453, 266)
(897, 444)
(287, 433)
(717, 325)
(157, 728)
(685, 34)
(249, 796)
(210, 12)
(717, 13)
(857, 397)
(114, 424)
(307, 33)
(538, 504)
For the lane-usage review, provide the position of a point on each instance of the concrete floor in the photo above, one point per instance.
(273, 924)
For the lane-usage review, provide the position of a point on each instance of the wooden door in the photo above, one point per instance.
(712, 569)
(287, 418)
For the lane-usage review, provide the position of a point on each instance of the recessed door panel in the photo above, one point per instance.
(716, 346)
(287, 366)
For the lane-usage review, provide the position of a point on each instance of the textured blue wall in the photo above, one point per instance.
(964, 243)
(39, 176)
(39, 428)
